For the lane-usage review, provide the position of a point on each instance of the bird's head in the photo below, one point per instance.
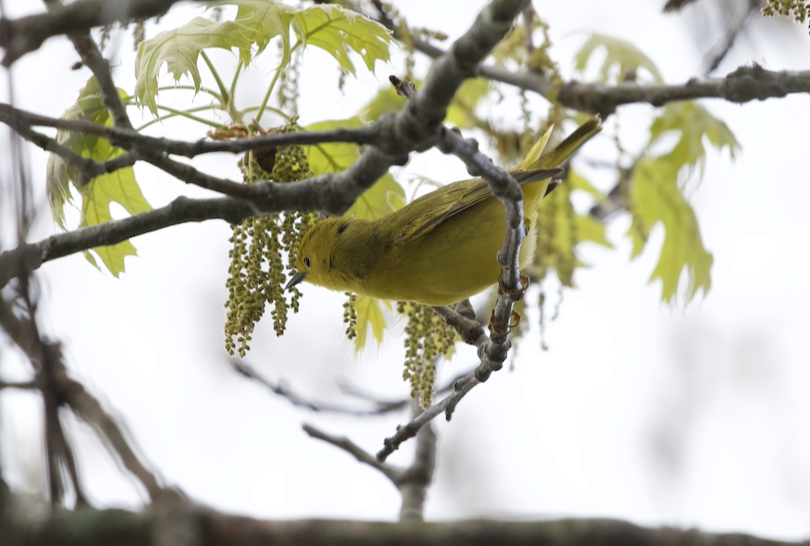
(315, 262)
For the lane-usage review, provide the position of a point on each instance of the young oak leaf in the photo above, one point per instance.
(369, 315)
(179, 50)
(655, 197)
(120, 187)
(384, 197)
(97, 195)
(329, 27)
(561, 230)
(622, 56)
(335, 30)
(694, 122)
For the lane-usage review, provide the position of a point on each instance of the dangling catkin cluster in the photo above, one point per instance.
(350, 315)
(257, 272)
(798, 9)
(427, 337)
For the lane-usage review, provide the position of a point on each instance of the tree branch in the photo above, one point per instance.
(29, 523)
(284, 391)
(26, 34)
(58, 390)
(29, 257)
(130, 139)
(744, 84)
(353, 449)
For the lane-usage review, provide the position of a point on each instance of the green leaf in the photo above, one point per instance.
(369, 314)
(560, 230)
(655, 197)
(590, 229)
(513, 46)
(119, 186)
(335, 29)
(329, 27)
(694, 122)
(461, 112)
(387, 100)
(621, 57)
(384, 197)
(88, 107)
(180, 49)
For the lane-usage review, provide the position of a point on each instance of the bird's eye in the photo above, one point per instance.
(306, 262)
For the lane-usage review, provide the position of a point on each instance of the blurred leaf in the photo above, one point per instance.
(385, 196)
(560, 229)
(512, 47)
(590, 229)
(461, 112)
(556, 237)
(369, 314)
(655, 197)
(97, 196)
(579, 183)
(694, 122)
(88, 107)
(622, 56)
(387, 100)
(329, 27)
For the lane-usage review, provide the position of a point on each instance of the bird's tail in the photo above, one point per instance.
(564, 149)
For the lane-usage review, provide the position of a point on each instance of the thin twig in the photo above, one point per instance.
(131, 139)
(26, 34)
(284, 391)
(359, 453)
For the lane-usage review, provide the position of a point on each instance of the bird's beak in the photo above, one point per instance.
(297, 278)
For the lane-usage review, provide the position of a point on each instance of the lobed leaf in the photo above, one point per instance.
(655, 197)
(461, 112)
(97, 196)
(179, 50)
(335, 29)
(694, 122)
(369, 315)
(384, 197)
(560, 230)
(622, 56)
(329, 27)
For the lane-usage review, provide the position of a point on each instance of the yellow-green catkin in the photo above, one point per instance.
(427, 337)
(799, 10)
(258, 271)
(350, 315)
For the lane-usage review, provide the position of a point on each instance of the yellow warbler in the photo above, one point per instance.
(440, 248)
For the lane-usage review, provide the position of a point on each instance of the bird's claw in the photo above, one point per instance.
(514, 294)
(514, 320)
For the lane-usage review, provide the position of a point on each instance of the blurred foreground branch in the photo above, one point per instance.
(23, 524)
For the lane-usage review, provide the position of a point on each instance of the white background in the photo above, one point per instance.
(660, 415)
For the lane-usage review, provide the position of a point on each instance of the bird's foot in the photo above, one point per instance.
(514, 320)
(514, 294)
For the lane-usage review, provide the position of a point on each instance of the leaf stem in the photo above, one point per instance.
(192, 88)
(263, 107)
(227, 99)
(186, 114)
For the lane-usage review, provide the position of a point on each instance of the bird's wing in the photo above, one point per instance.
(449, 200)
